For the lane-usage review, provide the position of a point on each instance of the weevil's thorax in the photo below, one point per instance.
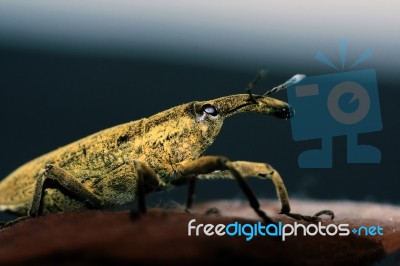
(180, 134)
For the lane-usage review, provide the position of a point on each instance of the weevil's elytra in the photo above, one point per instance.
(121, 164)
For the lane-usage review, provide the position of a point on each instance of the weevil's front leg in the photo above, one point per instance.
(251, 169)
(209, 164)
(147, 181)
(264, 170)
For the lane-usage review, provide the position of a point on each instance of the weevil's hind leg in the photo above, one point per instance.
(15, 221)
(208, 164)
(65, 180)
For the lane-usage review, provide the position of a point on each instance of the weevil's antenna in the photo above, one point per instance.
(251, 85)
(293, 80)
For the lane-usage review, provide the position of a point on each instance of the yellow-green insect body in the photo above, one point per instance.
(102, 162)
(119, 165)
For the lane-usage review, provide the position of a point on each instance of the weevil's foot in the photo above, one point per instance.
(15, 221)
(311, 219)
(213, 211)
(264, 216)
(135, 214)
(325, 212)
(299, 217)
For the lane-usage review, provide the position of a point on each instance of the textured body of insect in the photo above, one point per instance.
(123, 163)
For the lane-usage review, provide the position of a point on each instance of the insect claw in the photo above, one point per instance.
(311, 219)
(326, 212)
(213, 211)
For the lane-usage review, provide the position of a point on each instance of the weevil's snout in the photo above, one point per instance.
(284, 112)
(235, 104)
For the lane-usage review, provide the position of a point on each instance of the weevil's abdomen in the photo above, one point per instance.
(16, 190)
(89, 160)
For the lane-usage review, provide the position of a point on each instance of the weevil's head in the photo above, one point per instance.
(221, 108)
(184, 132)
(209, 115)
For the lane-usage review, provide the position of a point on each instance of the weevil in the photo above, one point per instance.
(123, 163)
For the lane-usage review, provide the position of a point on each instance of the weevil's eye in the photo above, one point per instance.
(210, 109)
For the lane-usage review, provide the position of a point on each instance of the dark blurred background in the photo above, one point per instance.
(69, 69)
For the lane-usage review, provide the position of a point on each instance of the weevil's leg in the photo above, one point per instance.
(249, 194)
(148, 181)
(65, 180)
(15, 221)
(191, 193)
(141, 203)
(256, 170)
(262, 170)
(208, 164)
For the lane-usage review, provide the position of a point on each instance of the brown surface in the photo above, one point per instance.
(94, 237)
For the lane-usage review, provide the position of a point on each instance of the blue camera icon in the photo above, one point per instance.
(337, 104)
